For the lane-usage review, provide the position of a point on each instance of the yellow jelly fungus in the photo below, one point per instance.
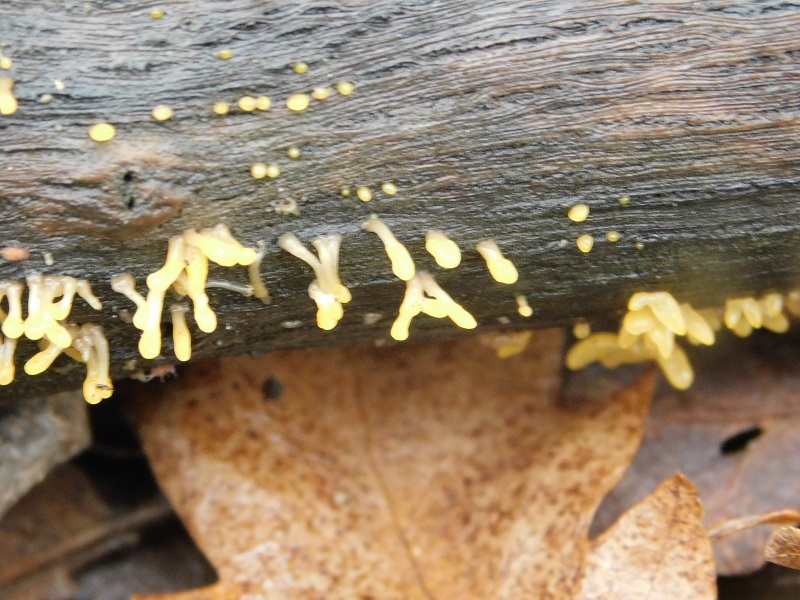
(273, 170)
(698, 330)
(126, 285)
(298, 102)
(102, 132)
(581, 330)
(40, 362)
(181, 338)
(344, 191)
(402, 264)
(523, 308)
(224, 54)
(247, 103)
(321, 93)
(329, 310)
(444, 250)
(345, 88)
(300, 67)
(364, 193)
(437, 304)
(389, 188)
(293, 152)
(258, 170)
(664, 306)
(639, 246)
(8, 103)
(260, 291)
(6, 63)
(612, 236)
(501, 269)
(624, 200)
(585, 242)
(221, 108)
(222, 252)
(157, 13)
(162, 112)
(578, 213)
(263, 103)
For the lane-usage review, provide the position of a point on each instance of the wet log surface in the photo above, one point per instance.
(492, 118)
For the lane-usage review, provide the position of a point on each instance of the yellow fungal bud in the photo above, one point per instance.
(639, 246)
(247, 103)
(508, 344)
(364, 194)
(258, 170)
(300, 67)
(321, 93)
(181, 338)
(578, 213)
(293, 152)
(624, 200)
(6, 63)
(46, 98)
(298, 102)
(676, 369)
(502, 269)
(35, 326)
(221, 108)
(273, 170)
(102, 132)
(224, 54)
(345, 88)
(389, 188)
(329, 310)
(344, 191)
(523, 308)
(150, 341)
(612, 236)
(263, 103)
(410, 307)
(8, 103)
(773, 304)
(585, 242)
(402, 264)
(162, 112)
(85, 292)
(444, 250)
(126, 285)
(581, 330)
(157, 13)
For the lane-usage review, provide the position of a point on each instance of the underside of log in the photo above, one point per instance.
(492, 118)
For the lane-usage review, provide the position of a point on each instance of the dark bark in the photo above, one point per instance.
(493, 118)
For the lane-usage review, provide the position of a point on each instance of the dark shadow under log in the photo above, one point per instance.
(492, 118)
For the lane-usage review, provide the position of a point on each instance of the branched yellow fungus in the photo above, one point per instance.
(40, 362)
(298, 102)
(698, 329)
(8, 102)
(329, 309)
(402, 264)
(424, 295)
(585, 243)
(102, 132)
(444, 250)
(578, 213)
(502, 269)
(664, 307)
(523, 308)
(181, 338)
(743, 315)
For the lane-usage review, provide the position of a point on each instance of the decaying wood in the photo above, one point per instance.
(491, 117)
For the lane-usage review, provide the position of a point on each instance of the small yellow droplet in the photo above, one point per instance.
(321, 93)
(585, 242)
(345, 88)
(578, 213)
(102, 132)
(157, 13)
(6, 63)
(624, 200)
(221, 108)
(258, 170)
(59, 85)
(162, 112)
(273, 171)
(298, 102)
(345, 191)
(225, 54)
(389, 188)
(639, 246)
(247, 103)
(612, 236)
(300, 67)
(263, 103)
(581, 330)
(364, 194)
(46, 98)
(293, 152)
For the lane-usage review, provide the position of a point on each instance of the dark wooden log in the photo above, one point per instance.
(492, 118)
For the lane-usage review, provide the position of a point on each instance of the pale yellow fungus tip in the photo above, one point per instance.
(501, 269)
(585, 242)
(508, 344)
(389, 188)
(46, 98)
(402, 264)
(624, 200)
(298, 102)
(345, 88)
(578, 213)
(102, 132)
(300, 67)
(344, 191)
(523, 308)
(224, 54)
(444, 250)
(162, 112)
(364, 193)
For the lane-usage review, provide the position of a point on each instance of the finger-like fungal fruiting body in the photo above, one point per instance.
(444, 250)
(181, 338)
(402, 264)
(501, 269)
(523, 308)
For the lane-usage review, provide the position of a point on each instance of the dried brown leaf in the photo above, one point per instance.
(416, 472)
(657, 550)
(783, 547)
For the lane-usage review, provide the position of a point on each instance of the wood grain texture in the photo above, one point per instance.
(493, 118)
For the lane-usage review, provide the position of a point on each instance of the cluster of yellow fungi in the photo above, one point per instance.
(654, 319)
(50, 301)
